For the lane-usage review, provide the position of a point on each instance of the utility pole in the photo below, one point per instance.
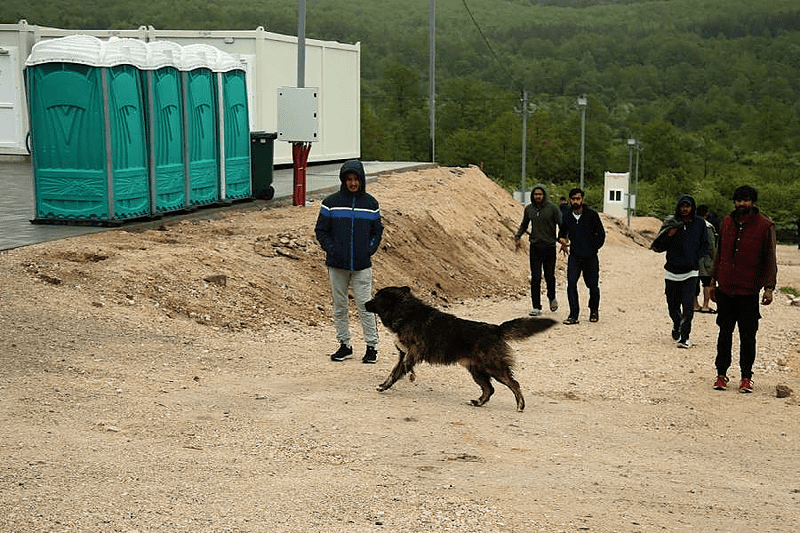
(636, 190)
(582, 102)
(300, 149)
(432, 76)
(524, 143)
(631, 147)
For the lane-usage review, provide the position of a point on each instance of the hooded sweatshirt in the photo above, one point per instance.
(349, 225)
(687, 246)
(543, 220)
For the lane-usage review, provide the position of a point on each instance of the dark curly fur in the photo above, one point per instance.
(426, 334)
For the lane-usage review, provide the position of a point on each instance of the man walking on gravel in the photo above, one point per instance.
(683, 235)
(544, 219)
(349, 229)
(582, 235)
(745, 262)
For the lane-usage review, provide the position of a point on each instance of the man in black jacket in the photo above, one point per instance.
(349, 229)
(683, 235)
(583, 232)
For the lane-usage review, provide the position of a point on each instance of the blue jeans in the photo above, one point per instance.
(543, 258)
(680, 304)
(590, 268)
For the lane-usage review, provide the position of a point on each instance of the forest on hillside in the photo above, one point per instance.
(709, 90)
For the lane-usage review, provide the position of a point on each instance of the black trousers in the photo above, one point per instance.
(680, 304)
(590, 268)
(733, 310)
(543, 258)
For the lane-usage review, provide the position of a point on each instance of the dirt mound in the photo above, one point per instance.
(448, 234)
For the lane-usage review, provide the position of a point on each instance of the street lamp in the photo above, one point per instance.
(582, 103)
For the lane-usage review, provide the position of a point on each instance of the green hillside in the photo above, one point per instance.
(708, 87)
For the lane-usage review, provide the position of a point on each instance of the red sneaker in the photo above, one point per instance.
(721, 383)
(746, 385)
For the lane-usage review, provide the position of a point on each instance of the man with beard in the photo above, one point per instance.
(583, 232)
(684, 237)
(544, 218)
(744, 263)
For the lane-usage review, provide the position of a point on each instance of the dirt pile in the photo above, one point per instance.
(448, 234)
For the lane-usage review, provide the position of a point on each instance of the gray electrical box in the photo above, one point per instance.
(298, 114)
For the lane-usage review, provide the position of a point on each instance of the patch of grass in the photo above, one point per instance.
(789, 290)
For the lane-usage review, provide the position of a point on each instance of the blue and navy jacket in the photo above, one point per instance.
(349, 225)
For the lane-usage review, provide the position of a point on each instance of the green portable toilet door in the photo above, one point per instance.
(168, 140)
(131, 187)
(68, 140)
(237, 136)
(203, 155)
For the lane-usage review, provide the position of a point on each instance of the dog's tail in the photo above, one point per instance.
(522, 328)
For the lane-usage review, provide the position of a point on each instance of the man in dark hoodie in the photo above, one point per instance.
(349, 229)
(582, 235)
(544, 219)
(684, 237)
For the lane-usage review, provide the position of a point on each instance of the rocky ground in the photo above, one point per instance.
(174, 377)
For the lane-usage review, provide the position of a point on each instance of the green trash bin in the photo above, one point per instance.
(261, 161)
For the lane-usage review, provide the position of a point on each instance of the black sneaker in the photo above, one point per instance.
(371, 356)
(344, 352)
(570, 321)
(594, 317)
(676, 334)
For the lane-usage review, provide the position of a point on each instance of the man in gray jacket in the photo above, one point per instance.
(544, 218)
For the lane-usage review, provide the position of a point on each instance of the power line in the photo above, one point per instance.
(489, 46)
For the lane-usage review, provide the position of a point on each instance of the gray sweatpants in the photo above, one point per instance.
(361, 280)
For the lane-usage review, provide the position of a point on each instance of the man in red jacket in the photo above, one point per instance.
(744, 263)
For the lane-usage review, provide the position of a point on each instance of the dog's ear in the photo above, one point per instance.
(405, 290)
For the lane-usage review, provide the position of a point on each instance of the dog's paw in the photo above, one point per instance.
(382, 387)
(476, 403)
(412, 376)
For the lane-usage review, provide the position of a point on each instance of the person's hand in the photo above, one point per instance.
(564, 248)
(672, 232)
(712, 294)
(517, 243)
(766, 298)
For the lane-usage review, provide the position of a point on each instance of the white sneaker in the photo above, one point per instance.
(685, 344)
(554, 305)
(535, 312)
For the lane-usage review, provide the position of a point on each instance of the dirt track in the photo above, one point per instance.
(175, 379)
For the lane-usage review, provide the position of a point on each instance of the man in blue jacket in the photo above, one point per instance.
(683, 235)
(583, 232)
(349, 229)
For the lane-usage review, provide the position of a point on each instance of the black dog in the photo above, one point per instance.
(427, 334)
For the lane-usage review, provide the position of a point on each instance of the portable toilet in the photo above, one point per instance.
(235, 143)
(85, 101)
(201, 112)
(169, 174)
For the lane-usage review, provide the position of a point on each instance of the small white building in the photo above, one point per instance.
(617, 194)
